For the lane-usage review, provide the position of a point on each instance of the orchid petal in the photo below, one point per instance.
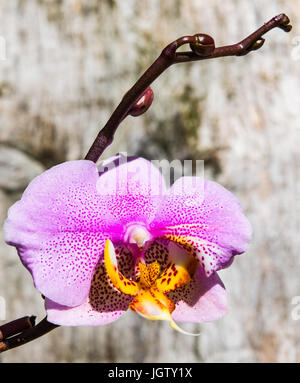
(204, 299)
(104, 304)
(58, 228)
(206, 220)
(132, 190)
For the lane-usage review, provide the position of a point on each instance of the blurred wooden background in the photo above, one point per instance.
(69, 62)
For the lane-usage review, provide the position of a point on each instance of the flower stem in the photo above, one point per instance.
(28, 335)
(16, 326)
(202, 48)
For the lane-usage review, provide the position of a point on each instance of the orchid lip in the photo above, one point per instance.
(149, 291)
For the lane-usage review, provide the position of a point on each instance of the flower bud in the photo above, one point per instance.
(143, 103)
(204, 45)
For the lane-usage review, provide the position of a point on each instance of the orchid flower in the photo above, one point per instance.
(100, 242)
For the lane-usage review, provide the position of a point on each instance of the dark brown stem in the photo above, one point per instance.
(29, 335)
(201, 49)
(16, 326)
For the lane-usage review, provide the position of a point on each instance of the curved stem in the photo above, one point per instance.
(29, 335)
(105, 137)
(15, 327)
(168, 57)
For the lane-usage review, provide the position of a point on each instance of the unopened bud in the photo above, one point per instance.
(143, 103)
(204, 45)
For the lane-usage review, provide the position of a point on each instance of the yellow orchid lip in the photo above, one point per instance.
(150, 288)
(121, 283)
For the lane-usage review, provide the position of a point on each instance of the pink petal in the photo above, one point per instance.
(104, 304)
(205, 216)
(58, 228)
(202, 300)
(65, 215)
(83, 315)
(133, 190)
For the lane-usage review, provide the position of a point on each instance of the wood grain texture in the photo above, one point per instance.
(68, 65)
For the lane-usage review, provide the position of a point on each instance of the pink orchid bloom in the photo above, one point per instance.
(97, 243)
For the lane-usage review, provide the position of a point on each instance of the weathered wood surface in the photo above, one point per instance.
(68, 64)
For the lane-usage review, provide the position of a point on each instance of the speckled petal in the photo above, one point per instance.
(103, 305)
(83, 315)
(201, 300)
(133, 190)
(207, 220)
(58, 229)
